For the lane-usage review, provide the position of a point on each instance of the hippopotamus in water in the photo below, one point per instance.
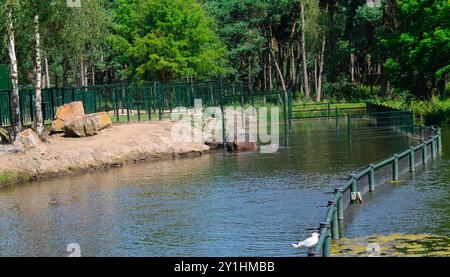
(243, 143)
(242, 146)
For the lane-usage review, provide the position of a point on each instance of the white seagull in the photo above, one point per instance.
(309, 242)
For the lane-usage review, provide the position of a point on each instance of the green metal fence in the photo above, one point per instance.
(380, 173)
(138, 102)
(325, 110)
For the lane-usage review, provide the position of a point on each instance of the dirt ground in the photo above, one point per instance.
(112, 147)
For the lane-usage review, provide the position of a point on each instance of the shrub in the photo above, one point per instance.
(344, 90)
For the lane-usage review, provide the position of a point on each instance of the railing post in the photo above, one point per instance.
(433, 148)
(160, 97)
(327, 243)
(340, 204)
(334, 221)
(349, 127)
(286, 139)
(353, 188)
(372, 178)
(424, 152)
(412, 160)
(395, 169)
(439, 141)
(337, 118)
(223, 116)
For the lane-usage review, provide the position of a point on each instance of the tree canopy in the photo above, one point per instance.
(336, 46)
(167, 40)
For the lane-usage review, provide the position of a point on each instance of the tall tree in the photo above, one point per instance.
(167, 40)
(419, 50)
(15, 100)
(304, 53)
(39, 119)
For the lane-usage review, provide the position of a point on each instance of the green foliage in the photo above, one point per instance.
(167, 40)
(429, 112)
(420, 49)
(8, 178)
(344, 90)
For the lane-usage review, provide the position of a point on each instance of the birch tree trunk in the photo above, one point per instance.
(47, 75)
(82, 71)
(321, 63)
(305, 66)
(280, 74)
(293, 72)
(93, 75)
(15, 100)
(315, 76)
(39, 121)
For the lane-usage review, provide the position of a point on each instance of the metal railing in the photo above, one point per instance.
(378, 174)
(136, 102)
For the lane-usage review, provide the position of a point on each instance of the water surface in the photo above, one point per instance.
(417, 205)
(249, 204)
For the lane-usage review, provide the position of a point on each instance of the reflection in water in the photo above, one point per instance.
(214, 205)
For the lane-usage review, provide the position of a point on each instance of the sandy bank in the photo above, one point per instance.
(112, 147)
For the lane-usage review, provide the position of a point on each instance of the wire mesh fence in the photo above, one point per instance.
(137, 102)
(378, 174)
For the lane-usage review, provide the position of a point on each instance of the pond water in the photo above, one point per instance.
(248, 204)
(419, 204)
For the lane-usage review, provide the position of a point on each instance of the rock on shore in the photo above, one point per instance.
(112, 147)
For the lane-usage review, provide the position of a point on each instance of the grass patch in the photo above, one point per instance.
(8, 178)
(430, 112)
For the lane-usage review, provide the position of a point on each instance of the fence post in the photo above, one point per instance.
(11, 112)
(291, 98)
(424, 152)
(349, 127)
(433, 148)
(395, 168)
(223, 116)
(412, 160)
(116, 109)
(286, 140)
(329, 110)
(1, 119)
(334, 221)
(30, 95)
(439, 141)
(127, 101)
(161, 100)
(340, 204)
(327, 243)
(147, 103)
(372, 178)
(353, 188)
(337, 119)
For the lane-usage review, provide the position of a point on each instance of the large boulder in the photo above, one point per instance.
(67, 113)
(28, 139)
(88, 125)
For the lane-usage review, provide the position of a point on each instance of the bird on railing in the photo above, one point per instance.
(309, 242)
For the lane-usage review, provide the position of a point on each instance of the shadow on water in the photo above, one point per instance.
(214, 205)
